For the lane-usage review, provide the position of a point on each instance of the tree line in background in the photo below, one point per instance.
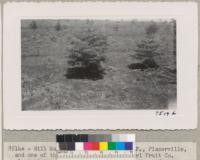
(86, 57)
(33, 25)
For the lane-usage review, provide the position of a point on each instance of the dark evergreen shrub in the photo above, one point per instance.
(87, 55)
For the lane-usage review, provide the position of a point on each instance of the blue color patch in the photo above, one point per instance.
(129, 145)
(120, 146)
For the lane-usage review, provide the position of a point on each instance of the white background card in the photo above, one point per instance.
(183, 116)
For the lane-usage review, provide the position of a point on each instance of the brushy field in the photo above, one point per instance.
(44, 65)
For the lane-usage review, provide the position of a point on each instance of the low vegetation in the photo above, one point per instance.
(83, 64)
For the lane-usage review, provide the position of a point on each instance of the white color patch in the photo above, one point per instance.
(79, 146)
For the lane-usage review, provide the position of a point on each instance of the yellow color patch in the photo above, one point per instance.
(103, 146)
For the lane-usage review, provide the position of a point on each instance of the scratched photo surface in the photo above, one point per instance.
(98, 64)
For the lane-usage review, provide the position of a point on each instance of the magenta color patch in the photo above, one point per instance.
(87, 146)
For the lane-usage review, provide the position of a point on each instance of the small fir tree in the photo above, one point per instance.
(87, 54)
(146, 49)
(33, 25)
(116, 28)
(58, 26)
(151, 30)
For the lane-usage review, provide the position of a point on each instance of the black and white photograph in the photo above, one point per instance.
(91, 64)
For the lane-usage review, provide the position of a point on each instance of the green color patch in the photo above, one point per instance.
(111, 145)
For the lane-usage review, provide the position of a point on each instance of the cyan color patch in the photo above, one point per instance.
(120, 146)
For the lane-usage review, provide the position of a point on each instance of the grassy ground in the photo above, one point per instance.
(44, 65)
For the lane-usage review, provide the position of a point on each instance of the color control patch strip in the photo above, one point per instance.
(83, 142)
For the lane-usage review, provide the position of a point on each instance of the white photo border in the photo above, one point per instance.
(185, 14)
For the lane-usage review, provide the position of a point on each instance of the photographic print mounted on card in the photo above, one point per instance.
(116, 62)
